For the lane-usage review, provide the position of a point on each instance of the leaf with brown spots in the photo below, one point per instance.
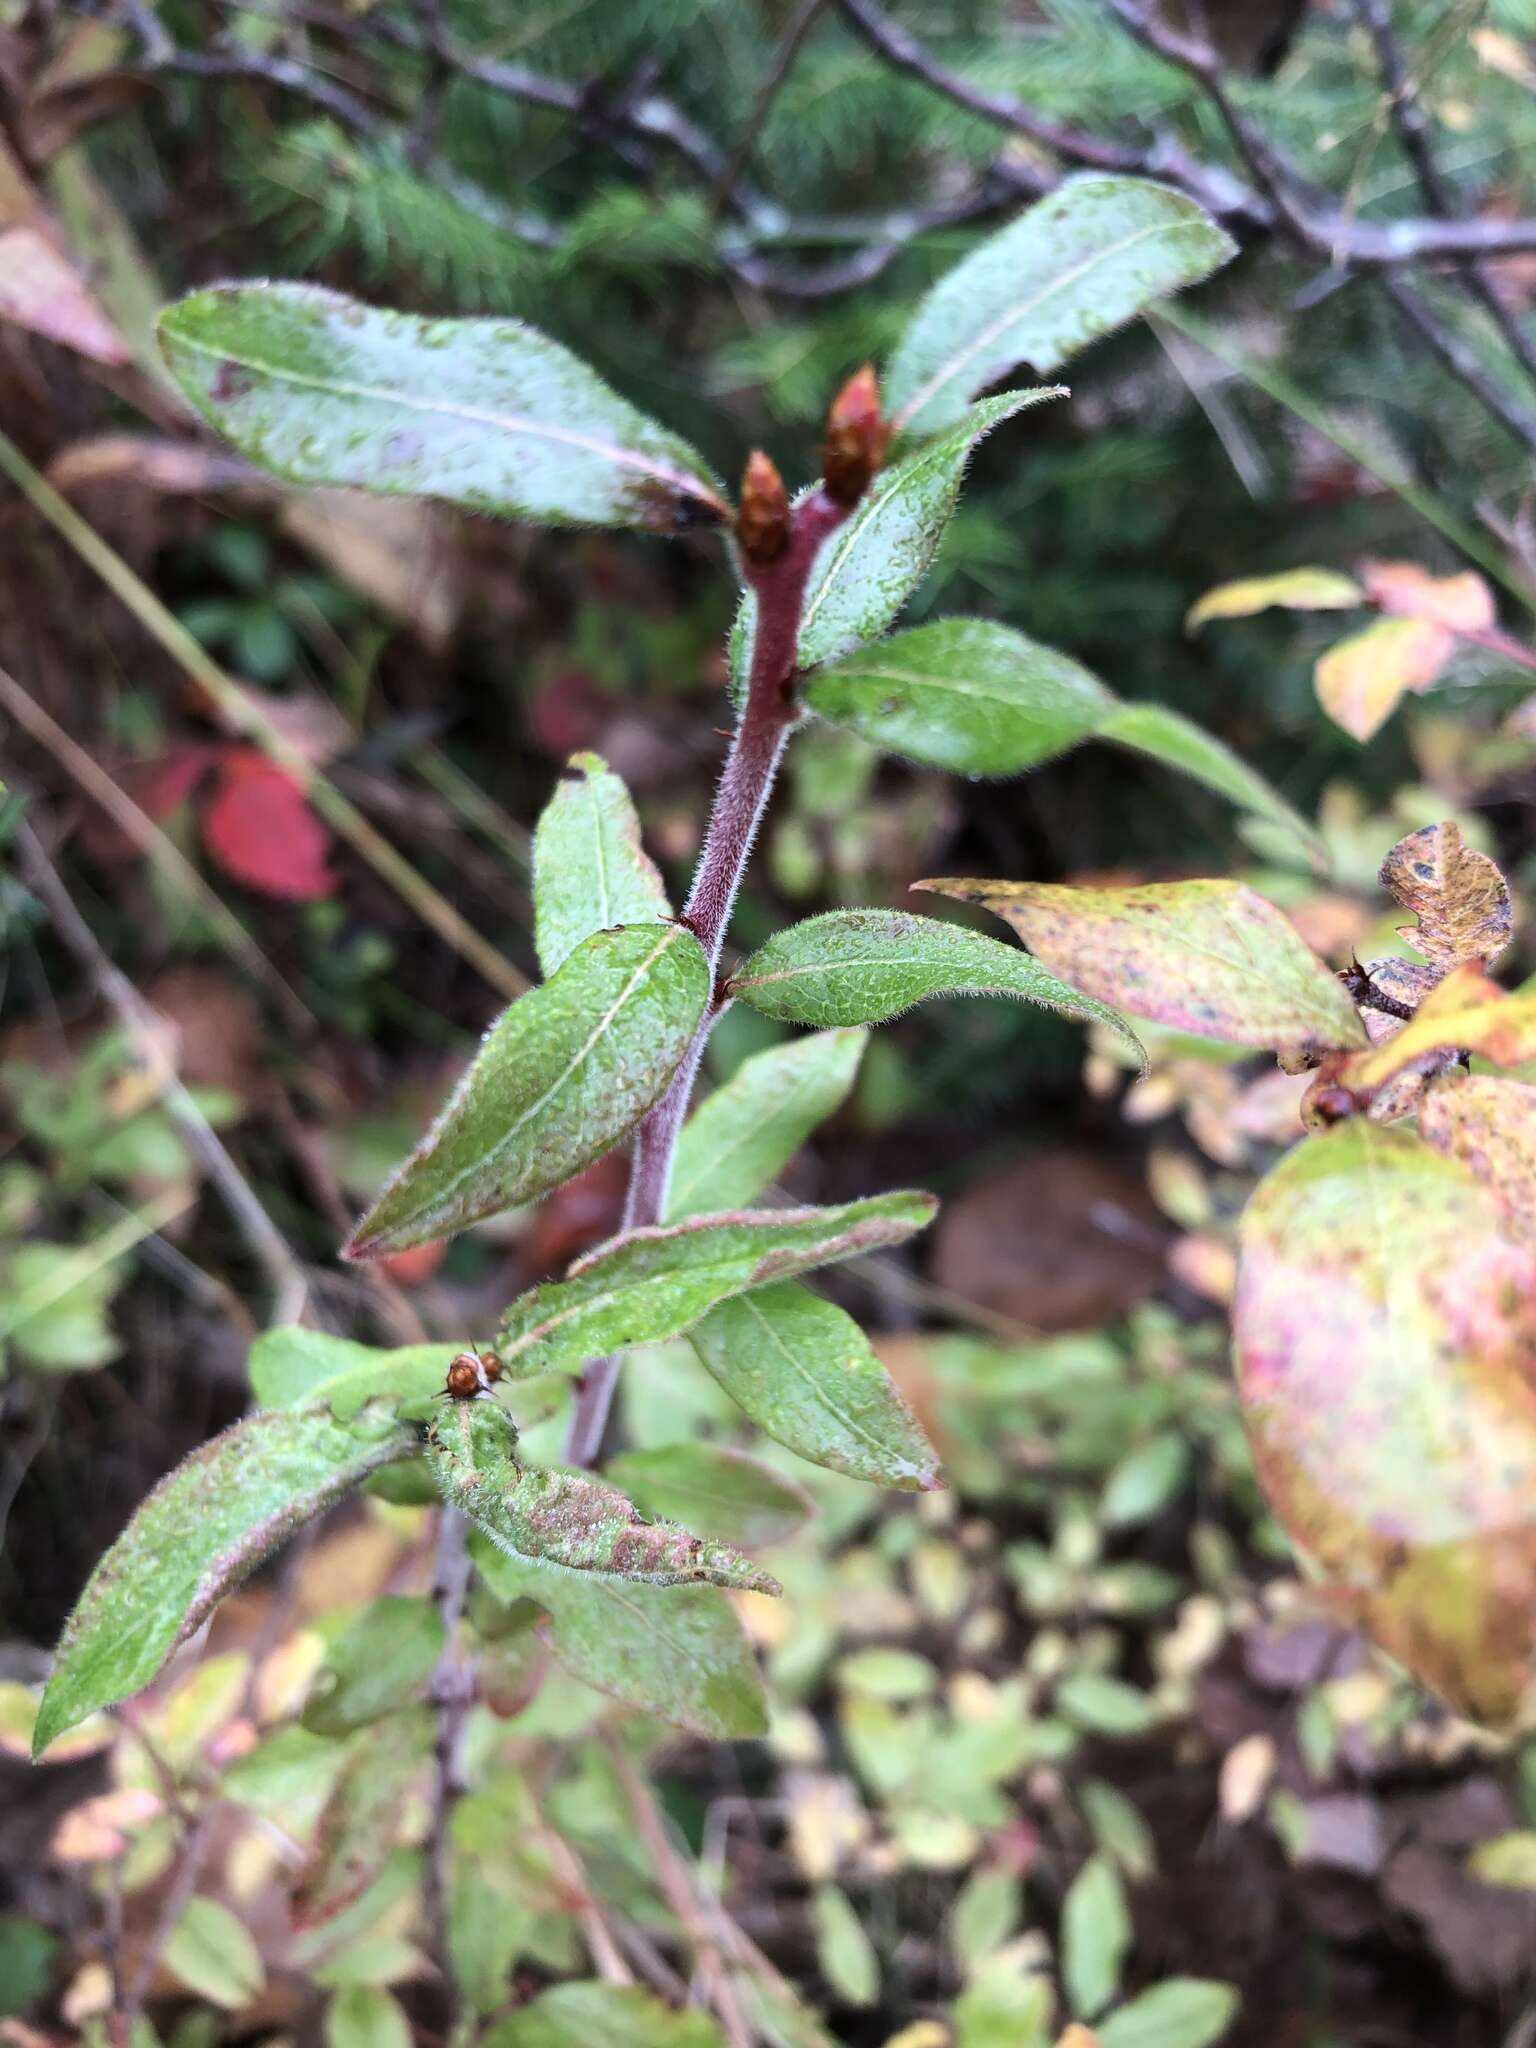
(1458, 895)
(1489, 1125)
(1213, 958)
(1385, 1327)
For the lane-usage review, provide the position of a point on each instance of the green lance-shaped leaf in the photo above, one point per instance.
(1384, 1325)
(741, 1137)
(382, 1659)
(805, 1373)
(291, 1367)
(866, 966)
(866, 570)
(676, 1652)
(569, 1518)
(563, 1074)
(656, 1283)
(1214, 958)
(362, 1816)
(589, 869)
(720, 1492)
(1181, 2012)
(320, 389)
(979, 698)
(195, 1537)
(1088, 258)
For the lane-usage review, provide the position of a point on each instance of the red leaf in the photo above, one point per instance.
(167, 784)
(261, 831)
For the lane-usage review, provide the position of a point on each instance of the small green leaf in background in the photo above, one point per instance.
(1508, 1860)
(364, 2016)
(866, 569)
(804, 1372)
(382, 1658)
(213, 1954)
(358, 1828)
(1095, 1937)
(1089, 257)
(613, 2015)
(656, 1283)
(1146, 1479)
(719, 1492)
(569, 1519)
(867, 966)
(1186, 2012)
(1364, 1244)
(1009, 2002)
(53, 1306)
(844, 1952)
(978, 698)
(988, 1911)
(1118, 1828)
(208, 1523)
(291, 1367)
(679, 1654)
(1294, 590)
(741, 1137)
(590, 871)
(1213, 958)
(27, 1955)
(319, 389)
(1104, 1706)
(565, 1071)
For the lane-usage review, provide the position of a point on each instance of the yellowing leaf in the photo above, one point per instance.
(1458, 895)
(1295, 590)
(1384, 1330)
(1466, 1013)
(1489, 1125)
(1213, 958)
(1362, 679)
(1462, 604)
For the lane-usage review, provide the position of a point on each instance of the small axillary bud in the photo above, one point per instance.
(762, 519)
(856, 438)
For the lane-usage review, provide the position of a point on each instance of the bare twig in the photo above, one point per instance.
(1411, 125)
(148, 1034)
(1459, 357)
(453, 1685)
(682, 1895)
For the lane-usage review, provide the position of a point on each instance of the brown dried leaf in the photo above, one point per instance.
(1459, 896)
(41, 290)
(1466, 1013)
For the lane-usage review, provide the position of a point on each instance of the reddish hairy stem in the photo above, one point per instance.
(741, 795)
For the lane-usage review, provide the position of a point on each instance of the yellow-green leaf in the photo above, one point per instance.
(1294, 590)
(1213, 958)
(1361, 680)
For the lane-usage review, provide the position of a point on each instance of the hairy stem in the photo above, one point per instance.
(741, 795)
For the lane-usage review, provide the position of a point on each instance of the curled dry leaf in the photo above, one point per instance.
(1458, 895)
(1362, 679)
(1214, 958)
(1385, 1327)
(1488, 1125)
(1466, 1013)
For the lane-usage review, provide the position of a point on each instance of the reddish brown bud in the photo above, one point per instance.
(762, 521)
(856, 436)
